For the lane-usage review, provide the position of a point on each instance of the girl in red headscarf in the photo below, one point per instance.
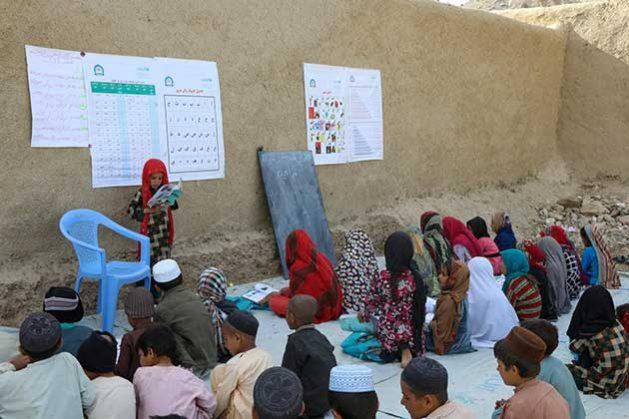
(464, 243)
(157, 222)
(311, 273)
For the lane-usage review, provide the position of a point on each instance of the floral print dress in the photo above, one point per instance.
(396, 329)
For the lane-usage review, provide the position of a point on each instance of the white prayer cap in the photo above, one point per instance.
(165, 271)
(351, 379)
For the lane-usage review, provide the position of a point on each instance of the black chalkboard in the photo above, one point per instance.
(292, 192)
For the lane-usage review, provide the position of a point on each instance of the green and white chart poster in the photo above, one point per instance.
(141, 108)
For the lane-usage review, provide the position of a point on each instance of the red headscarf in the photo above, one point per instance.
(311, 273)
(537, 257)
(151, 167)
(559, 234)
(457, 233)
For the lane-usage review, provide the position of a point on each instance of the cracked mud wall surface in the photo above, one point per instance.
(469, 99)
(593, 118)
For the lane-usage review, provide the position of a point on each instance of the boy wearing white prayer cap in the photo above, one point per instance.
(352, 393)
(185, 314)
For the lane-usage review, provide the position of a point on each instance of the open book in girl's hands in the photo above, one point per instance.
(259, 293)
(166, 193)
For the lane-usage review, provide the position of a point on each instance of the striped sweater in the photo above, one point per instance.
(524, 296)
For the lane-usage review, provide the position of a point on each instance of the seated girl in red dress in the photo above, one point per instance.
(310, 273)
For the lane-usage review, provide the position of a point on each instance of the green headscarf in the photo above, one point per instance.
(517, 265)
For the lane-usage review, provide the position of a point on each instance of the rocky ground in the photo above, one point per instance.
(515, 4)
(610, 212)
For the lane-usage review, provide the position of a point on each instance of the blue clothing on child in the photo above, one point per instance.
(73, 336)
(463, 343)
(555, 373)
(589, 263)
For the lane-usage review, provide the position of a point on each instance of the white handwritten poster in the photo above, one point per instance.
(190, 108)
(58, 100)
(343, 114)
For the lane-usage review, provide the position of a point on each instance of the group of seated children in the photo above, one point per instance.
(67, 370)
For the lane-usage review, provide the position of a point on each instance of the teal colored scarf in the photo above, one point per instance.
(517, 265)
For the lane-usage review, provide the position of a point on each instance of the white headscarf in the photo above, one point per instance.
(491, 314)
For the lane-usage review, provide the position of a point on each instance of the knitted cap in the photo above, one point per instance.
(63, 303)
(426, 375)
(278, 393)
(525, 344)
(244, 322)
(165, 271)
(351, 379)
(138, 304)
(39, 333)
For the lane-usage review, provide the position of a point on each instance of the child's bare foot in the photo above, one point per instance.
(406, 357)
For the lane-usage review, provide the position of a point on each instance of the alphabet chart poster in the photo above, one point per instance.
(189, 105)
(343, 114)
(58, 100)
(123, 117)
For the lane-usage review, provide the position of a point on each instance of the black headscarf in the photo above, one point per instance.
(594, 313)
(398, 254)
(478, 227)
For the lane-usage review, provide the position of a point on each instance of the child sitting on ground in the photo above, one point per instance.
(599, 344)
(184, 313)
(115, 396)
(309, 354)
(278, 394)
(233, 382)
(161, 387)
(65, 304)
(41, 383)
(519, 356)
(212, 289)
(138, 306)
(352, 392)
(552, 370)
(425, 391)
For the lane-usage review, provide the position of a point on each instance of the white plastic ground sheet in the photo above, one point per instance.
(473, 379)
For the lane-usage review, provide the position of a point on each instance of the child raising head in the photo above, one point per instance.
(163, 388)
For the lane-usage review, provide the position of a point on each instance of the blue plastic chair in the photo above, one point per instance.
(80, 226)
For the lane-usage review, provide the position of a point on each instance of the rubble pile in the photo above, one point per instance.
(609, 213)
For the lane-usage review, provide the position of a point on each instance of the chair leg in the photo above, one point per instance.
(78, 282)
(99, 302)
(109, 289)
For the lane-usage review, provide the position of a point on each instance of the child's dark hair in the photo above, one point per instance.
(354, 405)
(526, 368)
(584, 236)
(621, 310)
(171, 416)
(546, 331)
(171, 284)
(40, 356)
(161, 340)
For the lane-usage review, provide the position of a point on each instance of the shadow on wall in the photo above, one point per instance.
(593, 129)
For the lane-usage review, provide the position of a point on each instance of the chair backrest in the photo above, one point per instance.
(80, 227)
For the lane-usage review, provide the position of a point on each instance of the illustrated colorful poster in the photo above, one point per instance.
(343, 114)
(190, 106)
(58, 100)
(123, 117)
